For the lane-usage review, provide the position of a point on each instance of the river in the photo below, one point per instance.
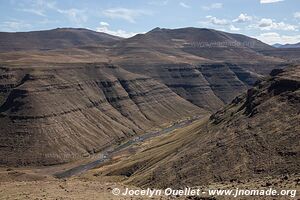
(107, 154)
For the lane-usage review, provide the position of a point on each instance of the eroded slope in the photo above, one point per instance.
(256, 136)
(64, 112)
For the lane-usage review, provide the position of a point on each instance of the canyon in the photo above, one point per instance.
(73, 92)
(69, 94)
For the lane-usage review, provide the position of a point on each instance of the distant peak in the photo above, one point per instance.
(156, 29)
(68, 29)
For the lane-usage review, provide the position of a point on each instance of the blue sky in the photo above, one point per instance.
(271, 21)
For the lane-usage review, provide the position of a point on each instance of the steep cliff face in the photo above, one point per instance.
(62, 113)
(227, 81)
(255, 136)
(208, 86)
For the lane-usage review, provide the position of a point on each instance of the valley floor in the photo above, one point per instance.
(38, 184)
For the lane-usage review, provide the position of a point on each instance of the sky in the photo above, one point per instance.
(271, 21)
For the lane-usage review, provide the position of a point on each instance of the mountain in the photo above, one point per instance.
(297, 45)
(255, 136)
(214, 45)
(277, 45)
(206, 67)
(186, 36)
(65, 112)
(74, 92)
(53, 39)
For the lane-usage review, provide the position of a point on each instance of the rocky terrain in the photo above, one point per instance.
(68, 93)
(61, 113)
(22, 184)
(255, 136)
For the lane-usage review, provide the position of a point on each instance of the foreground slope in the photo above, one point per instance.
(64, 112)
(256, 136)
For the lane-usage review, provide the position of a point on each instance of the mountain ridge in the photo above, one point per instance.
(58, 38)
(295, 45)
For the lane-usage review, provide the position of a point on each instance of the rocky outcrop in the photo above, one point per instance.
(208, 86)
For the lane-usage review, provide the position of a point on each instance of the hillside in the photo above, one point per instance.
(200, 65)
(291, 55)
(214, 45)
(65, 112)
(255, 136)
(53, 39)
